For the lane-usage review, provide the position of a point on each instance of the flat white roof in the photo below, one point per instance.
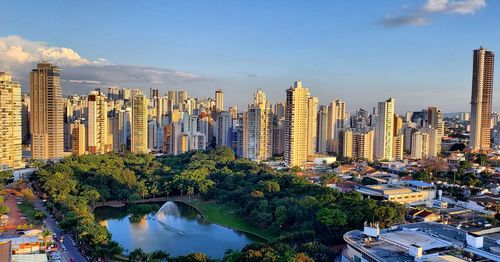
(408, 238)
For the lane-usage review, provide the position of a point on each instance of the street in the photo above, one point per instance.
(71, 250)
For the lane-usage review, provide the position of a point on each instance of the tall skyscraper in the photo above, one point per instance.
(219, 100)
(47, 123)
(296, 121)
(10, 123)
(312, 126)
(481, 99)
(97, 123)
(257, 129)
(384, 130)
(139, 132)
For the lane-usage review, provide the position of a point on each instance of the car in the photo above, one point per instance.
(55, 256)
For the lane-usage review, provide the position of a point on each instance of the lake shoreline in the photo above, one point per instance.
(198, 209)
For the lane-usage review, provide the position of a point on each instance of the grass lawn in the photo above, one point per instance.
(226, 216)
(29, 211)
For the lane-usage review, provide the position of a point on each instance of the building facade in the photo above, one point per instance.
(481, 99)
(10, 123)
(46, 117)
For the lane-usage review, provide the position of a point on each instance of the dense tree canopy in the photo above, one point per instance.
(306, 217)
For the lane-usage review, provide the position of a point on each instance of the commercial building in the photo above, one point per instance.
(406, 193)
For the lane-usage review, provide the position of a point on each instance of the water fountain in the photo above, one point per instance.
(168, 209)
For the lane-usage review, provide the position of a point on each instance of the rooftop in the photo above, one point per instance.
(437, 239)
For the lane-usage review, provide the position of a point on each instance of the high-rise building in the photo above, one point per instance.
(233, 110)
(424, 143)
(257, 129)
(346, 143)
(223, 129)
(435, 120)
(10, 123)
(139, 134)
(481, 99)
(322, 137)
(78, 138)
(363, 145)
(153, 93)
(384, 130)
(25, 118)
(182, 96)
(219, 100)
(120, 128)
(113, 93)
(47, 123)
(97, 123)
(279, 110)
(312, 126)
(336, 122)
(398, 140)
(398, 147)
(125, 94)
(296, 121)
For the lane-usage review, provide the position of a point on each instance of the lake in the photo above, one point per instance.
(176, 228)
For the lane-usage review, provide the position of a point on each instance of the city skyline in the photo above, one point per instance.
(404, 50)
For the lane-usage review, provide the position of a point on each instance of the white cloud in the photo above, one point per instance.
(454, 6)
(80, 74)
(421, 15)
(394, 21)
(17, 50)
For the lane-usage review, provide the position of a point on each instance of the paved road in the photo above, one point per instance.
(71, 251)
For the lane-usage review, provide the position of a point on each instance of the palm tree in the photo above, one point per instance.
(190, 192)
(45, 234)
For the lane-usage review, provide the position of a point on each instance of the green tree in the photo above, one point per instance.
(138, 255)
(332, 217)
(4, 210)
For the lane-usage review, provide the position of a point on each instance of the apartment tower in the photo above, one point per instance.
(46, 117)
(258, 129)
(219, 100)
(139, 125)
(97, 123)
(296, 122)
(10, 123)
(384, 130)
(481, 99)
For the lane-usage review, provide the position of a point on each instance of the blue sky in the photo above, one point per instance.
(418, 51)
